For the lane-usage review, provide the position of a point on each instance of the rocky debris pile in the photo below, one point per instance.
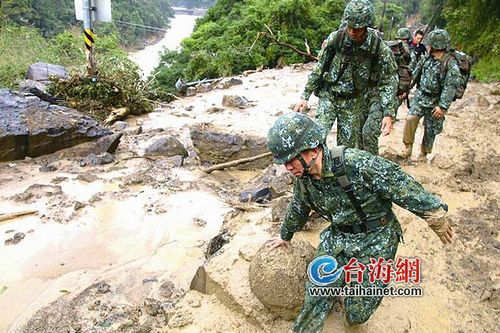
(215, 145)
(31, 127)
(204, 86)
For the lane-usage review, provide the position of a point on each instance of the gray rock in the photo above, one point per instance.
(30, 127)
(214, 109)
(234, 101)
(42, 72)
(87, 177)
(106, 144)
(101, 159)
(18, 236)
(166, 146)
(25, 86)
(261, 195)
(216, 145)
(47, 168)
(152, 306)
(119, 126)
(204, 88)
(277, 277)
(78, 205)
(191, 91)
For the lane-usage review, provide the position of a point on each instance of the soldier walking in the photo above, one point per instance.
(355, 80)
(438, 77)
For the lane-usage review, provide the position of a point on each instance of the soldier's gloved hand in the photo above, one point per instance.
(301, 106)
(442, 228)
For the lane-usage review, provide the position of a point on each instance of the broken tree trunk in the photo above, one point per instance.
(235, 162)
(10, 216)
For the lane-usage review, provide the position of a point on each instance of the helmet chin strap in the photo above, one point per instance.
(305, 165)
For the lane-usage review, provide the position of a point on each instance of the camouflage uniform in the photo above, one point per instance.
(436, 87)
(409, 59)
(358, 78)
(377, 184)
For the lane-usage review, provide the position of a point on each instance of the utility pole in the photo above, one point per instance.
(88, 35)
(90, 11)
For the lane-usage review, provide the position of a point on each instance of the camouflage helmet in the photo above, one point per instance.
(291, 134)
(439, 39)
(359, 14)
(404, 33)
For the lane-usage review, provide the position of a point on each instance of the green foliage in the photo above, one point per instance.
(117, 85)
(228, 39)
(474, 27)
(389, 20)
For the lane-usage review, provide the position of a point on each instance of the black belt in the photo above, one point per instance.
(430, 94)
(368, 226)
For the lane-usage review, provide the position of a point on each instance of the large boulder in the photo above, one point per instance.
(42, 72)
(216, 145)
(277, 277)
(168, 146)
(31, 127)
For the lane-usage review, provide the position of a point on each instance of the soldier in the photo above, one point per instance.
(362, 227)
(438, 78)
(406, 61)
(355, 80)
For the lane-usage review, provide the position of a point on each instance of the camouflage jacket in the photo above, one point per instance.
(435, 83)
(363, 70)
(377, 184)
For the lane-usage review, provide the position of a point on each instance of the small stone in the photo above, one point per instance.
(214, 109)
(119, 126)
(78, 205)
(47, 168)
(152, 306)
(191, 91)
(103, 287)
(18, 236)
(234, 101)
(247, 253)
(199, 222)
(87, 178)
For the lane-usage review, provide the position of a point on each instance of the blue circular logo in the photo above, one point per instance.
(323, 270)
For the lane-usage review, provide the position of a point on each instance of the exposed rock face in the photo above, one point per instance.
(215, 145)
(31, 127)
(277, 277)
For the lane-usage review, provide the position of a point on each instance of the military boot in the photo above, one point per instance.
(407, 151)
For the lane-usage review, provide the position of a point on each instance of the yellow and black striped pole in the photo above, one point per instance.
(89, 36)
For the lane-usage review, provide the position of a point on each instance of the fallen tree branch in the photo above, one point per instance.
(235, 162)
(272, 37)
(10, 216)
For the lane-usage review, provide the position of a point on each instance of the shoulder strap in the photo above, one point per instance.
(337, 44)
(445, 63)
(374, 56)
(339, 170)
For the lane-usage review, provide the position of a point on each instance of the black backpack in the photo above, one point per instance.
(464, 63)
(403, 59)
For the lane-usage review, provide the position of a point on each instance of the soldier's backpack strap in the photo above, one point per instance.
(375, 55)
(339, 170)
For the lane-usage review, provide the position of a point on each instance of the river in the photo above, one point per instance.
(181, 27)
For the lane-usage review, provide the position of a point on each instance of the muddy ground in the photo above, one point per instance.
(114, 248)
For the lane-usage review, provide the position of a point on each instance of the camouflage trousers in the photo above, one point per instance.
(358, 124)
(382, 242)
(423, 106)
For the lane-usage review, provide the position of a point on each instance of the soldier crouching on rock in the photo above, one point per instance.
(438, 78)
(363, 225)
